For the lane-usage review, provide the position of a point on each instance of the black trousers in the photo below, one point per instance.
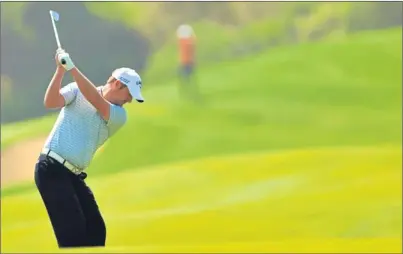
(70, 204)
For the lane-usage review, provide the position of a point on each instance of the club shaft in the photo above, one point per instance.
(56, 33)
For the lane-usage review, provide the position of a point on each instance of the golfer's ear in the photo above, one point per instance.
(115, 84)
(112, 82)
(119, 85)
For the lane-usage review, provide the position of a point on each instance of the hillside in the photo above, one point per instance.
(312, 130)
(225, 31)
(325, 94)
(333, 93)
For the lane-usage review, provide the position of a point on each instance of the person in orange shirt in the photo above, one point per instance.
(187, 55)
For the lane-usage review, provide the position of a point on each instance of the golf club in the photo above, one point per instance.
(55, 17)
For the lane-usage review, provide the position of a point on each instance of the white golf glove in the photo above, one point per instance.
(65, 60)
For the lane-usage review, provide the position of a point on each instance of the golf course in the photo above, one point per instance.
(293, 149)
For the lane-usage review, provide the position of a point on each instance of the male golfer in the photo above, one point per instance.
(89, 116)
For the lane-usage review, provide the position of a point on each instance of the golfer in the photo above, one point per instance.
(187, 49)
(187, 62)
(89, 116)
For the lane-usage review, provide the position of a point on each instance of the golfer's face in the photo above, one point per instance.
(127, 97)
(123, 95)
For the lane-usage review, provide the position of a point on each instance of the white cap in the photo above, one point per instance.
(132, 80)
(184, 31)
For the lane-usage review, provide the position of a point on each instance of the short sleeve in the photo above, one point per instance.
(117, 118)
(69, 92)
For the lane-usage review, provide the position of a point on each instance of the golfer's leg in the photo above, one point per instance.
(96, 229)
(61, 204)
(181, 81)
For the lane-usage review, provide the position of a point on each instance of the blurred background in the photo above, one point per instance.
(268, 126)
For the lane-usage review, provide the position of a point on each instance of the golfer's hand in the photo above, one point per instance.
(63, 59)
(58, 64)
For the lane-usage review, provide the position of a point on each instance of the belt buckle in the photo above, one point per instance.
(72, 168)
(76, 170)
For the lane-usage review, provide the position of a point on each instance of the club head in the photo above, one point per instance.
(54, 15)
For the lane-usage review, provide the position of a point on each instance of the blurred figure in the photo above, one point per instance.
(187, 52)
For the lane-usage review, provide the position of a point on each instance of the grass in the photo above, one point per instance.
(324, 94)
(20, 131)
(332, 93)
(317, 200)
(226, 44)
(295, 149)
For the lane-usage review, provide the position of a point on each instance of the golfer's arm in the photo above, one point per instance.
(53, 98)
(91, 94)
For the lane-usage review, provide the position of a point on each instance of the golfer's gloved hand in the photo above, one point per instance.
(64, 59)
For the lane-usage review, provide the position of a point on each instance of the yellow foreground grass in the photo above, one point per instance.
(344, 199)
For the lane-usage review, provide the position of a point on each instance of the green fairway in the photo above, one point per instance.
(17, 132)
(331, 93)
(345, 198)
(290, 141)
(295, 149)
(324, 94)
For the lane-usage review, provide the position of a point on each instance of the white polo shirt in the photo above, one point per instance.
(80, 130)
